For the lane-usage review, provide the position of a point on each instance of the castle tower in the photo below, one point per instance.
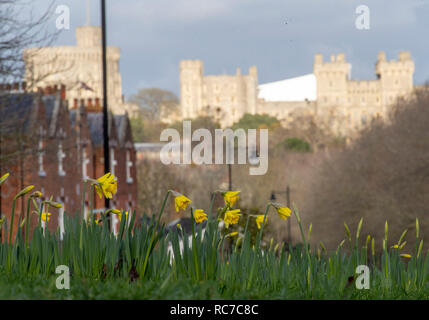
(396, 77)
(331, 79)
(88, 37)
(191, 88)
(252, 90)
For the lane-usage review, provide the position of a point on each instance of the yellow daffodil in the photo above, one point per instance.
(394, 246)
(406, 255)
(107, 185)
(283, 212)
(98, 221)
(4, 178)
(46, 216)
(231, 217)
(181, 202)
(260, 220)
(231, 197)
(120, 215)
(200, 216)
(23, 192)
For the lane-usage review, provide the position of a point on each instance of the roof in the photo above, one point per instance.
(121, 127)
(16, 112)
(95, 123)
(294, 89)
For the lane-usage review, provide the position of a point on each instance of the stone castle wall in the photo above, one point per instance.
(348, 104)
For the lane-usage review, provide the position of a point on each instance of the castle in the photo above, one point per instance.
(328, 94)
(79, 68)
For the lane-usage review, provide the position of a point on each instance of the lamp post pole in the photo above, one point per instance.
(105, 110)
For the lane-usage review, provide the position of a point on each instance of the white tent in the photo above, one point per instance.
(293, 89)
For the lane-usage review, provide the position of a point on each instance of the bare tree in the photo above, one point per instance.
(154, 101)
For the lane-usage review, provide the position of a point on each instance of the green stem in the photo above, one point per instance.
(27, 223)
(11, 221)
(10, 236)
(259, 238)
(194, 246)
(82, 216)
(149, 249)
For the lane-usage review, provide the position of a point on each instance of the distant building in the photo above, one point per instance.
(54, 148)
(328, 94)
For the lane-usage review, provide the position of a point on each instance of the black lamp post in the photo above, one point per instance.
(105, 110)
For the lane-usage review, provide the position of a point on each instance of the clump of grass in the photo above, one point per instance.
(143, 261)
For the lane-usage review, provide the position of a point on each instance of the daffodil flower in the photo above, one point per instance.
(200, 215)
(231, 197)
(260, 220)
(283, 212)
(406, 255)
(231, 217)
(181, 202)
(106, 185)
(46, 216)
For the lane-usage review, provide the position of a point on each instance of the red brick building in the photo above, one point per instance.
(46, 144)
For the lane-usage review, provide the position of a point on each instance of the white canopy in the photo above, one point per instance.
(293, 89)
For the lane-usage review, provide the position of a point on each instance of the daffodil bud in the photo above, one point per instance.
(23, 192)
(4, 178)
(36, 194)
(53, 204)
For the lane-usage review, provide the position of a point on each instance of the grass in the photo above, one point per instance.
(136, 264)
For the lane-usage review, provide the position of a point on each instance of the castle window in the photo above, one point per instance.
(377, 99)
(363, 119)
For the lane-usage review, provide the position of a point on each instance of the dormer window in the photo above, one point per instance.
(129, 164)
(61, 155)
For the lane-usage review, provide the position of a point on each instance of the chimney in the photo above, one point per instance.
(63, 92)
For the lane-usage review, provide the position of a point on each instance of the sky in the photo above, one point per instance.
(280, 37)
